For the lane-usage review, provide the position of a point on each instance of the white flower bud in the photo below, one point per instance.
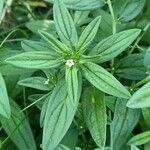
(47, 81)
(70, 63)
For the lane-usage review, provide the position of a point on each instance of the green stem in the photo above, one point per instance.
(41, 98)
(112, 16)
(9, 136)
(7, 37)
(139, 38)
(147, 79)
(114, 24)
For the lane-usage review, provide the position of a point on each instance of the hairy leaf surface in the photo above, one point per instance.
(88, 34)
(4, 101)
(140, 139)
(103, 80)
(113, 45)
(35, 60)
(140, 98)
(124, 122)
(94, 110)
(64, 24)
(59, 115)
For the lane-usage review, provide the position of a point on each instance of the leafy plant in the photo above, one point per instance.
(81, 65)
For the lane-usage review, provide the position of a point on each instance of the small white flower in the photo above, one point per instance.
(70, 63)
(46, 82)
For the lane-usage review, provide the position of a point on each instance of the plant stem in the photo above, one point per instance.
(114, 24)
(112, 16)
(147, 79)
(9, 136)
(139, 38)
(41, 98)
(7, 37)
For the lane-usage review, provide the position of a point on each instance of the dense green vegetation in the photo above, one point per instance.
(75, 74)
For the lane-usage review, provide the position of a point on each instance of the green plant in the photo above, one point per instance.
(71, 66)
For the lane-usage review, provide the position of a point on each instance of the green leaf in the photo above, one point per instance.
(59, 115)
(146, 116)
(81, 18)
(18, 128)
(39, 83)
(131, 67)
(55, 44)
(140, 98)
(147, 146)
(103, 80)
(46, 25)
(110, 102)
(124, 122)
(35, 60)
(72, 83)
(4, 101)
(82, 4)
(94, 110)
(128, 10)
(44, 108)
(71, 137)
(1, 8)
(62, 147)
(140, 139)
(8, 69)
(78, 148)
(134, 147)
(88, 34)
(64, 24)
(147, 57)
(105, 28)
(29, 46)
(113, 45)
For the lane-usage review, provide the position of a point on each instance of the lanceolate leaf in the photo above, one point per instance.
(59, 115)
(46, 25)
(128, 9)
(35, 60)
(18, 128)
(103, 80)
(88, 34)
(4, 101)
(140, 139)
(146, 116)
(134, 147)
(55, 44)
(131, 67)
(1, 8)
(123, 123)
(147, 57)
(29, 45)
(44, 108)
(82, 4)
(94, 110)
(39, 83)
(113, 45)
(64, 24)
(141, 98)
(72, 83)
